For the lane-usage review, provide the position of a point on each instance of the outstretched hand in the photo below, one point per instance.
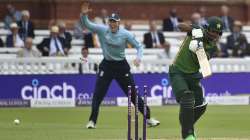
(85, 8)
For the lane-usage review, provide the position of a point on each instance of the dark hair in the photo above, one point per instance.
(85, 48)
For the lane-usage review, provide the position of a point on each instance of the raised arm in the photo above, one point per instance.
(86, 22)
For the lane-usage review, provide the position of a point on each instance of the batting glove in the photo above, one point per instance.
(194, 45)
(197, 33)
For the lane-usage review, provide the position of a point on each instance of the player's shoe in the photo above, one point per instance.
(91, 125)
(153, 122)
(190, 137)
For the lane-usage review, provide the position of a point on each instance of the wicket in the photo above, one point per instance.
(136, 96)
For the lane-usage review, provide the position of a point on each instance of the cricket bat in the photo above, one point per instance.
(203, 62)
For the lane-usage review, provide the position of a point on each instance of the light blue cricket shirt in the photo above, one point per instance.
(113, 44)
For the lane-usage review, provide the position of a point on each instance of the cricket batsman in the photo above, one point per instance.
(185, 76)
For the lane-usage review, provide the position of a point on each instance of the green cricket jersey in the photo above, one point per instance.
(186, 61)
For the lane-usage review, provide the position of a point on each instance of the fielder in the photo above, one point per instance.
(185, 76)
(113, 41)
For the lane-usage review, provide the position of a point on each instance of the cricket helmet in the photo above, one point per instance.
(213, 28)
(215, 24)
(114, 17)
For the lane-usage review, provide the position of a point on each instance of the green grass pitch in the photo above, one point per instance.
(219, 123)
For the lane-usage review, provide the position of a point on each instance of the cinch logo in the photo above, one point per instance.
(37, 91)
(163, 90)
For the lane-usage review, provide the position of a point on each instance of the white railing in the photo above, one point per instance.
(64, 65)
(75, 52)
(38, 65)
(228, 65)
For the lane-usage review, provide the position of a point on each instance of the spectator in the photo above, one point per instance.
(12, 16)
(104, 17)
(227, 20)
(171, 23)
(1, 43)
(65, 34)
(28, 50)
(53, 45)
(196, 19)
(26, 25)
(203, 13)
(237, 44)
(154, 38)
(14, 39)
(90, 39)
(84, 67)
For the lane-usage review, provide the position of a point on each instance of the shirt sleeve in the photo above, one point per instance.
(91, 26)
(135, 44)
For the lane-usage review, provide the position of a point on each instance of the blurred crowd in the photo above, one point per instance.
(22, 29)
